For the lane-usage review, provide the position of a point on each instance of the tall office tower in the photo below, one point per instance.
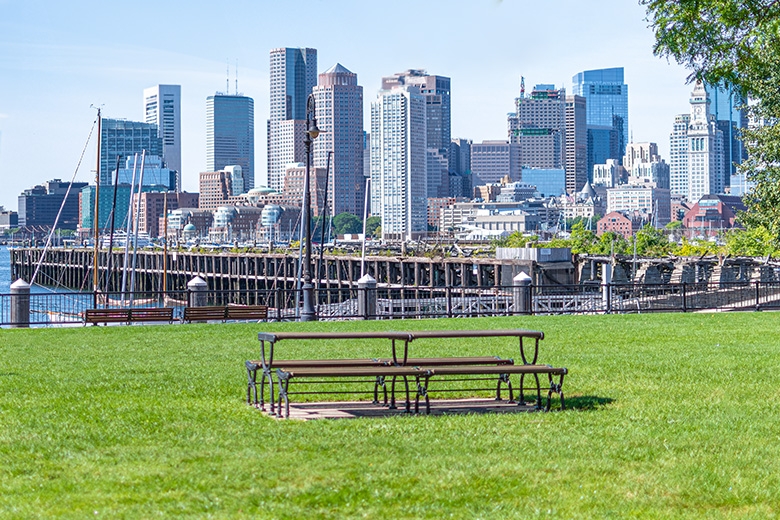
(399, 163)
(293, 75)
(607, 108)
(460, 168)
(726, 106)
(438, 120)
(576, 144)
(460, 155)
(340, 118)
(704, 172)
(162, 106)
(491, 161)
(678, 155)
(538, 126)
(124, 139)
(230, 135)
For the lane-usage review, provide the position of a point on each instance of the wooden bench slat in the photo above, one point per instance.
(367, 371)
(247, 312)
(506, 369)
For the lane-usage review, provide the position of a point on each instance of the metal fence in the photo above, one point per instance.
(67, 308)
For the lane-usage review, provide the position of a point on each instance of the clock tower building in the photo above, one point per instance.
(697, 167)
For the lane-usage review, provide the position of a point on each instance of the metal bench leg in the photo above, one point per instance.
(380, 381)
(503, 378)
(392, 395)
(270, 394)
(538, 392)
(557, 388)
(251, 372)
(408, 399)
(521, 401)
(284, 383)
(422, 391)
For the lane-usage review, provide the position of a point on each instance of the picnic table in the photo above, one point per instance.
(421, 369)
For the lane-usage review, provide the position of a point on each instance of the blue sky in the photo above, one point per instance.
(58, 58)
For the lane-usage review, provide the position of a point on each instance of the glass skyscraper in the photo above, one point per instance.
(726, 105)
(293, 75)
(230, 135)
(607, 107)
(122, 138)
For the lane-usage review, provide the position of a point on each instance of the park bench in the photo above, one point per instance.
(247, 312)
(379, 369)
(422, 376)
(226, 312)
(105, 316)
(128, 315)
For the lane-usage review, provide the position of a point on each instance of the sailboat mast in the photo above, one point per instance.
(109, 266)
(127, 229)
(97, 206)
(135, 228)
(165, 246)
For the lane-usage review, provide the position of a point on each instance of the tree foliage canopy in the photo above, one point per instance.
(735, 43)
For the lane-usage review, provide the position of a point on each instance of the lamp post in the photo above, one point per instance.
(308, 313)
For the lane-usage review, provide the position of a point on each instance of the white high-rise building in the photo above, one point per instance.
(399, 162)
(162, 106)
(340, 118)
(293, 75)
(697, 167)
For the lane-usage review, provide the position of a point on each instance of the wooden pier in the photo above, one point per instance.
(72, 268)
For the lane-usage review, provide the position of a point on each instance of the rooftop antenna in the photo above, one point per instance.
(236, 76)
(227, 76)
(522, 87)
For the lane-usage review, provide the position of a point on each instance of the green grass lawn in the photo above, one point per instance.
(670, 415)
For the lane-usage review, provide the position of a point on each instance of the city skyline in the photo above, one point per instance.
(475, 43)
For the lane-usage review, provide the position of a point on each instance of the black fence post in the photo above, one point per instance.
(684, 302)
(448, 296)
(758, 295)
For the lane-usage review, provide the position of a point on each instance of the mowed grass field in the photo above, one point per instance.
(670, 416)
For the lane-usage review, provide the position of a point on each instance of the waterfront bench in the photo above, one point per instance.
(128, 315)
(150, 314)
(226, 312)
(105, 316)
(378, 369)
(247, 312)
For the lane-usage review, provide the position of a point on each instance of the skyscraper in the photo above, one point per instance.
(340, 118)
(696, 137)
(293, 74)
(726, 106)
(230, 134)
(124, 138)
(538, 125)
(606, 96)
(576, 144)
(162, 106)
(399, 162)
(436, 90)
